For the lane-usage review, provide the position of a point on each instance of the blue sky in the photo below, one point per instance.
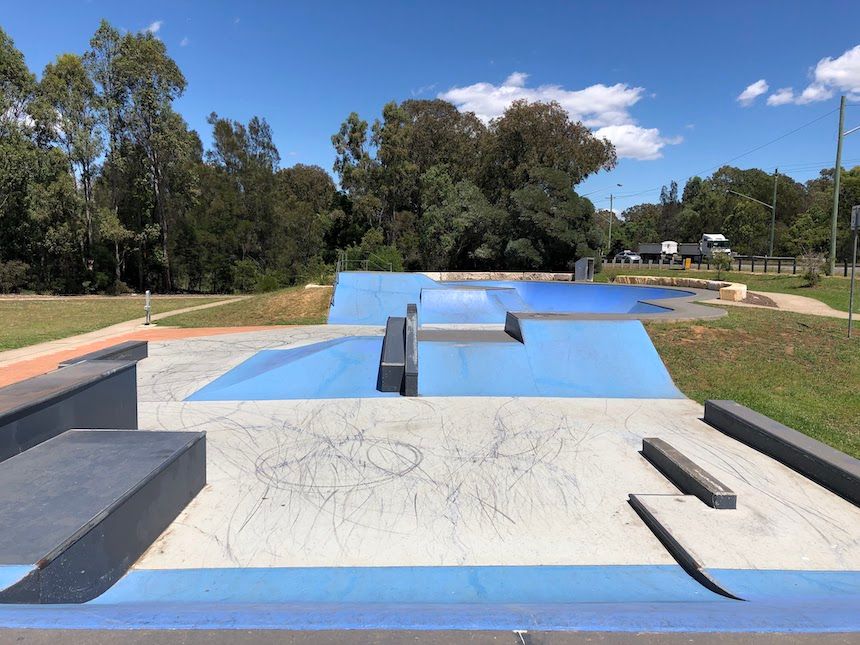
(662, 79)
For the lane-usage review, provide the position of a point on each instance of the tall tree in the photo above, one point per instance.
(70, 97)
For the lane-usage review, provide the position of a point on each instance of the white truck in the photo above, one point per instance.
(658, 250)
(711, 244)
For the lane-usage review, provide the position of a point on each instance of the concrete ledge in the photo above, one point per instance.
(78, 510)
(392, 360)
(734, 292)
(731, 291)
(130, 350)
(92, 394)
(688, 561)
(821, 463)
(690, 478)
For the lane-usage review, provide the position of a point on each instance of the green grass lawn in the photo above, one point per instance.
(294, 306)
(800, 370)
(30, 321)
(832, 291)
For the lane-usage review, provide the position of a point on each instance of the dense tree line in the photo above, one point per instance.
(104, 188)
(803, 213)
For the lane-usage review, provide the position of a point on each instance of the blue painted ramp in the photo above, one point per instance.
(334, 369)
(366, 298)
(464, 304)
(603, 359)
(612, 359)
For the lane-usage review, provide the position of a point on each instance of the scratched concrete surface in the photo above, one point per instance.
(453, 481)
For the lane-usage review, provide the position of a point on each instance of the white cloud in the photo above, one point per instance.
(153, 27)
(184, 42)
(829, 75)
(596, 106)
(604, 107)
(813, 93)
(635, 142)
(782, 96)
(842, 73)
(752, 92)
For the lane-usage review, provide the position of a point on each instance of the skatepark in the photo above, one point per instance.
(484, 455)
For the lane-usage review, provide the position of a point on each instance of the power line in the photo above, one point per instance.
(743, 154)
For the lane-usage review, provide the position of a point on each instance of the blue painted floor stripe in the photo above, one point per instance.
(625, 598)
(412, 585)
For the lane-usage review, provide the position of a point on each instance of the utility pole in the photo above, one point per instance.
(836, 174)
(611, 216)
(773, 211)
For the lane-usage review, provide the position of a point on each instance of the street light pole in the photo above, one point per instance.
(611, 217)
(773, 211)
(771, 206)
(836, 173)
(609, 243)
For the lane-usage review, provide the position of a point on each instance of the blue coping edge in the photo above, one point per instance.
(790, 601)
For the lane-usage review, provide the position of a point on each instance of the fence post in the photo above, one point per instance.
(765, 264)
(794, 265)
(752, 264)
(779, 265)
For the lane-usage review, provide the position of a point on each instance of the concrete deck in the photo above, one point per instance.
(462, 481)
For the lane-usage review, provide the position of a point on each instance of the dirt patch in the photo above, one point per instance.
(758, 299)
(298, 303)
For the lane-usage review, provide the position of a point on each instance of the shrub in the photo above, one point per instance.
(13, 275)
(268, 281)
(721, 263)
(812, 264)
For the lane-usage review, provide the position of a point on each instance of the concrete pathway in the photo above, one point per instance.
(796, 304)
(112, 332)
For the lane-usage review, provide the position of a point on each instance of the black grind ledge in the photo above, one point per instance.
(79, 509)
(410, 373)
(97, 394)
(130, 350)
(392, 359)
(688, 476)
(819, 462)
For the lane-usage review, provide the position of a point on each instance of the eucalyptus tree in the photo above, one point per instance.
(69, 95)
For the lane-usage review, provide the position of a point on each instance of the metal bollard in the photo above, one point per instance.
(147, 307)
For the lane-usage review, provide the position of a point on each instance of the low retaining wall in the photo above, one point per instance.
(731, 291)
(457, 276)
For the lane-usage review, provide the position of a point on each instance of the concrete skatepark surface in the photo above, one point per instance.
(452, 511)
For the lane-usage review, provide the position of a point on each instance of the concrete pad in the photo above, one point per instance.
(454, 481)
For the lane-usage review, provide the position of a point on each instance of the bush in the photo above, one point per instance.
(245, 275)
(721, 263)
(812, 264)
(268, 281)
(13, 275)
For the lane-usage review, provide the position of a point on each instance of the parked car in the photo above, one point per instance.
(628, 256)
